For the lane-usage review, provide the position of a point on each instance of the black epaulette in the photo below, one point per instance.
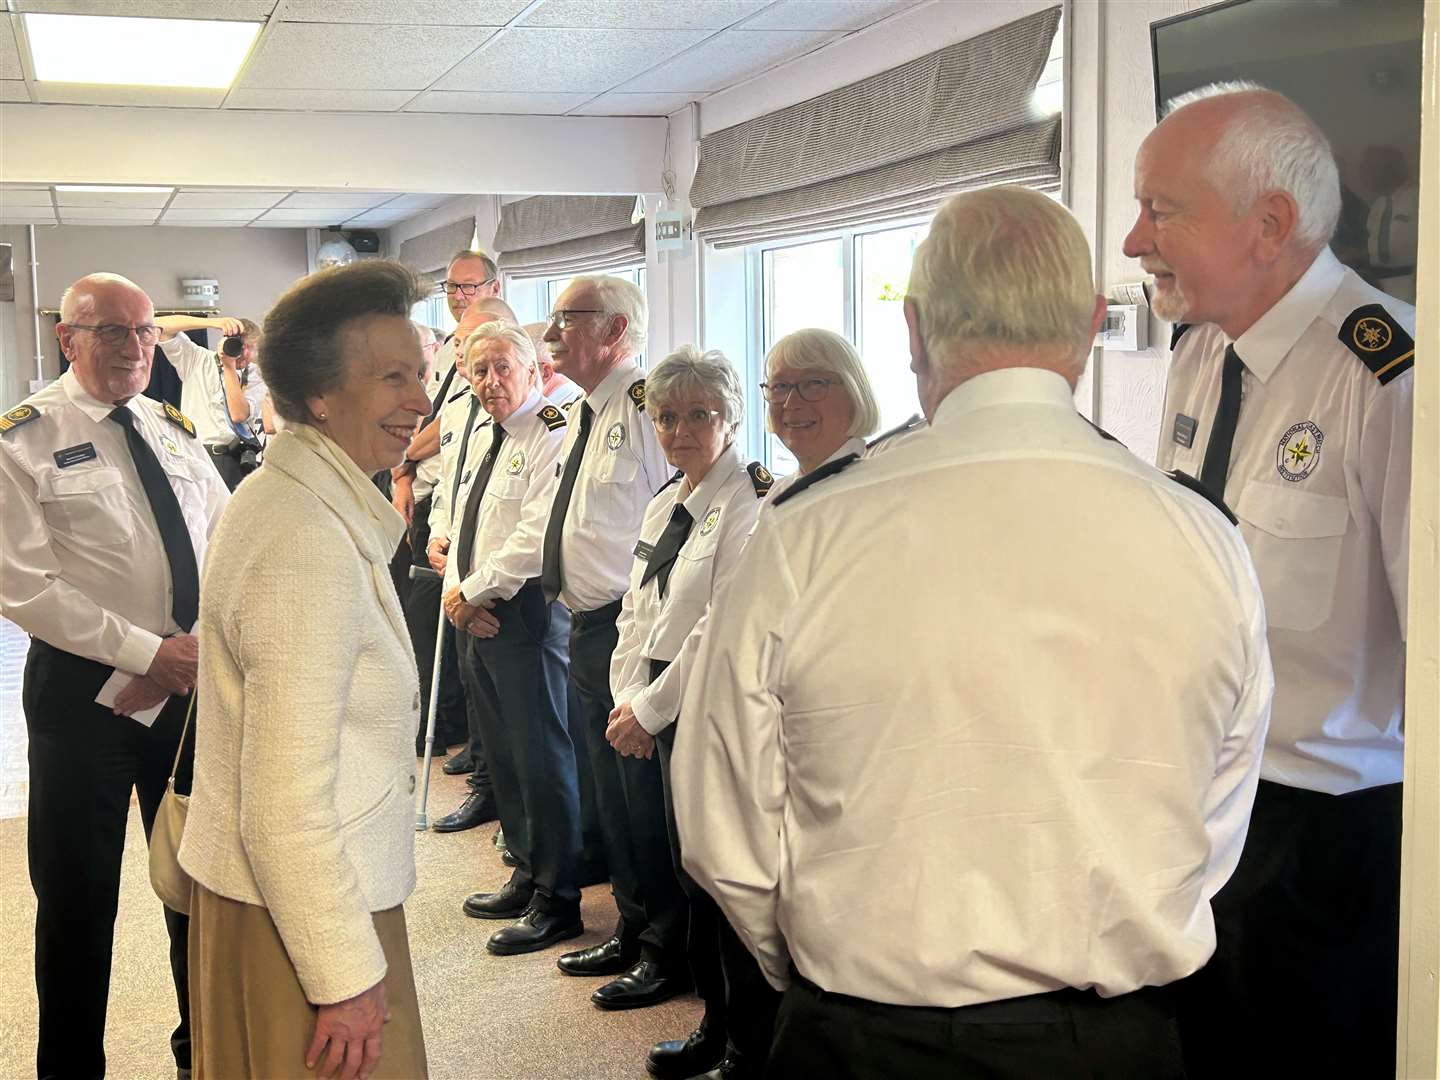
(1379, 341)
(21, 414)
(458, 394)
(815, 476)
(179, 419)
(1177, 332)
(1184, 479)
(760, 478)
(1103, 433)
(679, 475)
(909, 425)
(553, 418)
(637, 393)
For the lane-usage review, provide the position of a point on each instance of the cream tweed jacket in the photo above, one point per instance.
(306, 712)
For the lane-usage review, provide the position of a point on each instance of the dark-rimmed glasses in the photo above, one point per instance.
(113, 333)
(561, 319)
(812, 390)
(465, 288)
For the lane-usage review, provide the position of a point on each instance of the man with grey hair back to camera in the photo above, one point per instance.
(1290, 397)
(1002, 689)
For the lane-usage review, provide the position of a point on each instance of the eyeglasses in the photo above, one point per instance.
(465, 288)
(777, 393)
(562, 319)
(668, 421)
(114, 333)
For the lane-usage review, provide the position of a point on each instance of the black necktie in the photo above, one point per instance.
(1222, 430)
(444, 389)
(464, 449)
(466, 544)
(662, 559)
(179, 552)
(555, 527)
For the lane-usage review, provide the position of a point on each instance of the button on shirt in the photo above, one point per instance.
(623, 468)
(1320, 480)
(202, 391)
(1005, 687)
(510, 525)
(453, 416)
(83, 565)
(724, 508)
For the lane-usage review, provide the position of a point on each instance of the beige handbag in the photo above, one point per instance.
(169, 880)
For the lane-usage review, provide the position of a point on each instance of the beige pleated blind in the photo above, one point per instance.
(432, 250)
(551, 235)
(891, 146)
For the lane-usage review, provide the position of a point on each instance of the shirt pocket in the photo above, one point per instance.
(188, 482)
(1295, 539)
(90, 507)
(610, 501)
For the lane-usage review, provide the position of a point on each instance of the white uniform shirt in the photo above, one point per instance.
(202, 392)
(255, 391)
(428, 471)
(1005, 687)
(724, 508)
(515, 507)
(565, 395)
(622, 469)
(1320, 480)
(854, 446)
(454, 415)
(83, 565)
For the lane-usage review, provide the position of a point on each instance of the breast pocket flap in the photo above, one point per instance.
(1293, 515)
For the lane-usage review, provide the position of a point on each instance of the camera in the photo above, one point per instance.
(233, 346)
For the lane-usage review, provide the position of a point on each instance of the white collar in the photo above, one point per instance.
(1008, 386)
(1274, 334)
(699, 500)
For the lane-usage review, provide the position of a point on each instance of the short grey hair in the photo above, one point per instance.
(305, 353)
(1004, 267)
(492, 271)
(825, 350)
(80, 296)
(513, 336)
(616, 296)
(1270, 144)
(493, 305)
(687, 368)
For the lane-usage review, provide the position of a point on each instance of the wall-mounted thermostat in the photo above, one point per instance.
(200, 292)
(1125, 328)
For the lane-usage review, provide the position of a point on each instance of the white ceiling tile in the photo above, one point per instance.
(844, 15)
(268, 222)
(13, 90)
(164, 97)
(336, 200)
(296, 215)
(416, 201)
(239, 10)
(461, 101)
(10, 198)
(414, 12)
(319, 100)
(226, 200)
(9, 54)
(130, 200)
(229, 217)
(643, 14)
(372, 222)
(204, 223)
(531, 59)
(108, 213)
(636, 104)
(328, 56)
(26, 215)
(92, 222)
(727, 58)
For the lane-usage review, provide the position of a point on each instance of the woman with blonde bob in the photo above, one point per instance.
(820, 401)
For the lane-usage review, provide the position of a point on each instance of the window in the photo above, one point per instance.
(434, 312)
(555, 286)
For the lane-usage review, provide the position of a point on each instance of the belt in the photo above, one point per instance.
(233, 450)
(609, 613)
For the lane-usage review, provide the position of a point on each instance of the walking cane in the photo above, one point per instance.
(423, 797)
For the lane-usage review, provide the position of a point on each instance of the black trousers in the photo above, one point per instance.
(1067, 1033)
(630, 800)
(593, 867)
(1306, 963)
(738, 1001)
(519, 691)
(228, 466)
(84, 763)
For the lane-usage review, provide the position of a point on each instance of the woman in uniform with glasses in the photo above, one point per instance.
(820, 402)
(693, 533)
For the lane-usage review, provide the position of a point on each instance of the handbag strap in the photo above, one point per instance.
(189, 713)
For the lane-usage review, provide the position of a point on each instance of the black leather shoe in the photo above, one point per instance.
(475, 810)
(734, 1066)
(534, 931)
(508, 858)
(509, 903)
(680, 1060)
(459, 764)
(608, 958)
(649, 982)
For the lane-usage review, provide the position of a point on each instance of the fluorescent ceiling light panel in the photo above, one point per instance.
(112, 189)
(138, 52)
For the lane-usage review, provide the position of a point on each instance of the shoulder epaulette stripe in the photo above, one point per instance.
(552, 417)
(21, 414)
(814, 477)
(1381, 343)
(637, 393)
(1184, 479)
(909, 425)
(179, 419)
(760, 479)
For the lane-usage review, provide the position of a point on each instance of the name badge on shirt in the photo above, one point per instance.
(74, 455)
(446, 437)
(1185, 429)
(643, 550)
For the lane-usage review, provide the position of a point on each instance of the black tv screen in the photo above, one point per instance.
(1354, 66)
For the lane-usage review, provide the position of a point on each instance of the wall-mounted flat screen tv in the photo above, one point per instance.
(1354, 66)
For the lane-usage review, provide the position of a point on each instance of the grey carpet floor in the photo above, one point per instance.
(485, 1017)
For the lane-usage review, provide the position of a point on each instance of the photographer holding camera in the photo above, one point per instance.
(213, 393)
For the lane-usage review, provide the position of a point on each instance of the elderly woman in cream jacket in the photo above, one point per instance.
(300, 836)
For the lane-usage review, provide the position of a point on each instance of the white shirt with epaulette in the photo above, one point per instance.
(1320, 480)
(515, 506)
(454, 414)
(82, 564)
(202, 390)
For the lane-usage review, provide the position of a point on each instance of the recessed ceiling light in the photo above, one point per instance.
(138, 52)
(111, 188)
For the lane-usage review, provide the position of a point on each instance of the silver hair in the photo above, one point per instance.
(1270, 144)
(513, 336)
(81, 294)
(493, 305)
(616, 296)
(825, 350)
(687, 368)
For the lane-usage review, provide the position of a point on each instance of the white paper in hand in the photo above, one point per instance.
(117, 682)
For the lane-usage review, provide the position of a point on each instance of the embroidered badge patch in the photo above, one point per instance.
(615, 437)
(516, 464)
(711, 520)
(1299, 451)
(1382, 345)
(171, 446)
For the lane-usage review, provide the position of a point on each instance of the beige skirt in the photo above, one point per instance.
(249, 1019)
